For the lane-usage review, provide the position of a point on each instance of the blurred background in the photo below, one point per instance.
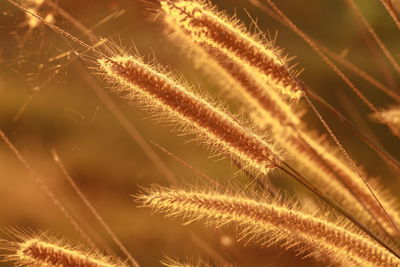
(49, 103)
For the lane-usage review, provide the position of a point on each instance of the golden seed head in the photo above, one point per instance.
(213, 31)
(274, 222)
(214, 126)
(40, 250)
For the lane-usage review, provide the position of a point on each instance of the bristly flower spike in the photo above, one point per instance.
(32, 249)
(160, 91)
(212, 30)
(274, 222)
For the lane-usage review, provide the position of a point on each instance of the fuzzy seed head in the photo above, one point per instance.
(40, 250)
(213, 31)
(212, 125)
(335, 242)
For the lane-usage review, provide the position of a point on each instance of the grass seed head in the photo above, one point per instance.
(214, 31)
(274, 221)
(30, 249)
(165, 95)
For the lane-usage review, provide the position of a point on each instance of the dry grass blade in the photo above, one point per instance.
(389, 221)
(374, 35)
(273, 222)
(46, 190)
(361, 73)
(110, 104)
(370, 142)
(93, 210)
(338, 58)
(392, 12)
(333, 166)
(366, 139)
(322, 55)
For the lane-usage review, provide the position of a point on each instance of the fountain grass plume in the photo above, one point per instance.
(273, 221)
(171, 99)
(27, 248)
